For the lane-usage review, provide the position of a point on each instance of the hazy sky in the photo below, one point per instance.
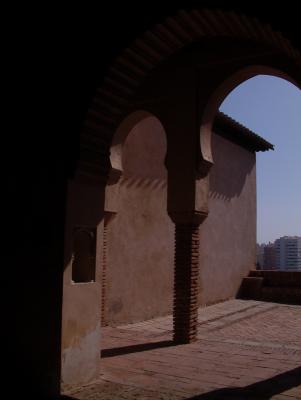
(271, 107)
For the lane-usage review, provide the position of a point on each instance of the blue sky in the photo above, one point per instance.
(271, 107)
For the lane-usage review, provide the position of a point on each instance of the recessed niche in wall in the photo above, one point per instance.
(83, 254)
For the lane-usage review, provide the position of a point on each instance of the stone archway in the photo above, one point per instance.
(173, 71)
(114, 99)
(156, 71)
(222, 91)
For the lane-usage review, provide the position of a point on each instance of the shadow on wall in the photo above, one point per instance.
(232, 165)
(263, 390)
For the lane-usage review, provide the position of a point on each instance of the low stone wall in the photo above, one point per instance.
(276, 286)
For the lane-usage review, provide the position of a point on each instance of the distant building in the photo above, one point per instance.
(269, 257)
(288, 253)
(260, 255)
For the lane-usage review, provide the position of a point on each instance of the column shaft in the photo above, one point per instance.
(186, 282)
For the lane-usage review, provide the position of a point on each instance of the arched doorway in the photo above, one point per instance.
(178, 72)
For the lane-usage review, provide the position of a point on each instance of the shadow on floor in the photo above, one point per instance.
(39, 397)
(262, 390)
(118, 351)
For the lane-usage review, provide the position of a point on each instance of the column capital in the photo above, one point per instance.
(109, 216)
(114, 176)
(204, 167)
(188, 217)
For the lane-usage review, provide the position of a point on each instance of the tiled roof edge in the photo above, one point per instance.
(236, 132)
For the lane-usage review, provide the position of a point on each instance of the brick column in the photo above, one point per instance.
(186, 278)
(104, 275)
(108, 217)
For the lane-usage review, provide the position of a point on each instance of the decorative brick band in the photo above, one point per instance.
(108, 217)
(186, 284)
(104, 276)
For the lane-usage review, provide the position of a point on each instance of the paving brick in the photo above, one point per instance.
(245, 350)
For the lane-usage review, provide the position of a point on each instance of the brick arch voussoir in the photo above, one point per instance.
(113, 99)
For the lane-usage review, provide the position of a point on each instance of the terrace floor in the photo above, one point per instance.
(245, 350)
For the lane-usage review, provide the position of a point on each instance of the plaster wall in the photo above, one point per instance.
(81, 301)
(140, 239)
(228, 235)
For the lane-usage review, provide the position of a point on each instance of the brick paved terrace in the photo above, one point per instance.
(245, 350)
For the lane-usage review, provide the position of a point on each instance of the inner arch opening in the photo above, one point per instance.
(271, 107)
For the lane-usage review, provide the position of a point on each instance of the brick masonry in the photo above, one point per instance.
(186, 283)
(245, 350)
(275, 286)
(104, 276)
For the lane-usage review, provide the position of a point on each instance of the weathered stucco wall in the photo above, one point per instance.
(140, 238)
(228, 235)
(81, 301)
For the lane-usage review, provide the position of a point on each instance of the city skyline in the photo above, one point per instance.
(271, 107)
(272, 242)
(283, 254)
